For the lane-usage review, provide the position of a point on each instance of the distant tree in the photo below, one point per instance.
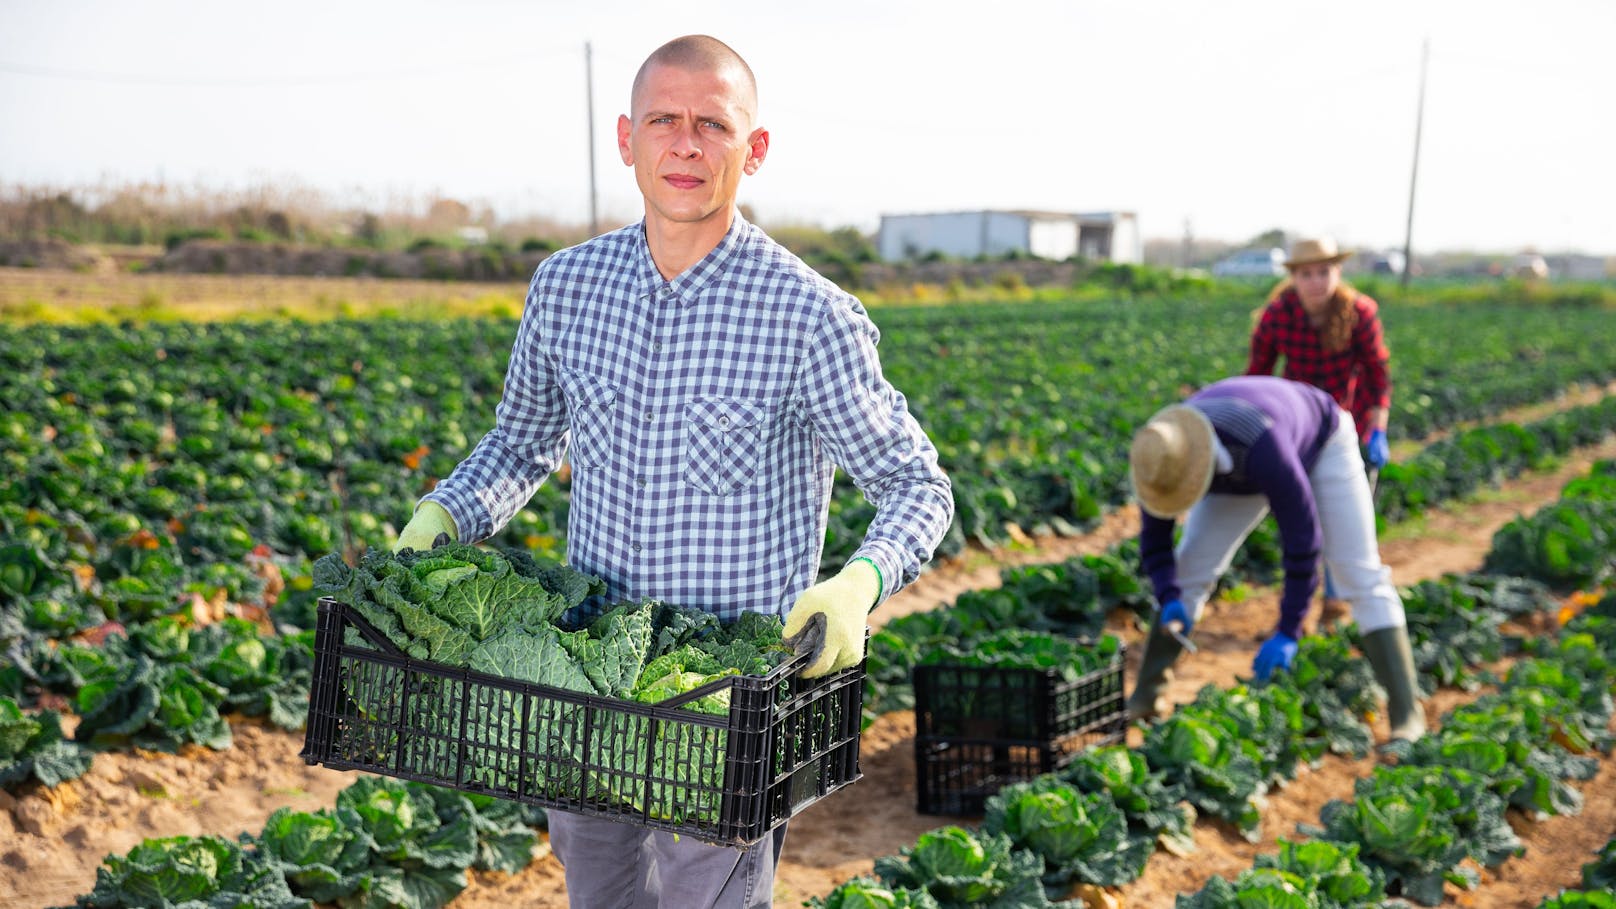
(368, 230)
(1271, 237)
(446, 215)
(52, 215)
(855, 244)
(814, 243)
(278, 224)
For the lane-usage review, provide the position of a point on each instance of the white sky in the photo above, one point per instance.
(1236, 115)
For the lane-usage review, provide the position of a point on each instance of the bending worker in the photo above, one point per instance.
(1222, 459)
(705, 384)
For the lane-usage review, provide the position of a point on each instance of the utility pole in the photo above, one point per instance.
(1413, 180)
(589, 102)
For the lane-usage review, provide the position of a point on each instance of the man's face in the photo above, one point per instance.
(689, 139)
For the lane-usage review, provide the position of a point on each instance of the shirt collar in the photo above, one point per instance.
(688, 284)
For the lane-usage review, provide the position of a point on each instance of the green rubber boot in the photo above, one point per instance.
(1393, 661)
(1155, 671)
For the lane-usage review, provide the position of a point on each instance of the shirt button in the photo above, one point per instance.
(656, 346)
(647, 416)
(636, 547)
(723, 421)
(641, 481)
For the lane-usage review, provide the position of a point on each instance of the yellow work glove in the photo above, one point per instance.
(845, 601)
(430, 520)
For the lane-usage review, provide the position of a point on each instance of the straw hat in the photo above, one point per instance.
(1310, 250)
(1171, 460)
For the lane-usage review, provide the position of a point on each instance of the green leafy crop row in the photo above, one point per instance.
(1408, 829)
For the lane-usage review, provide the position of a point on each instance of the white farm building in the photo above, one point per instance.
(1098, 236)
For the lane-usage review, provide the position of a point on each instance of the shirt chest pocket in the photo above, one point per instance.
(723, 443)
(592, 406)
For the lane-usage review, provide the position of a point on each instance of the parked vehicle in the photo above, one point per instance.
(1529, 266)
(1390, 262)
(1250, 263)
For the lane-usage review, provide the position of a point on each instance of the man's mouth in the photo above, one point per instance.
(683, 181)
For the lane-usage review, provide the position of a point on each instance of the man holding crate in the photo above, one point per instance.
(705, 384)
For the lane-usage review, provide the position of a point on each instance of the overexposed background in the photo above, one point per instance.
(1228, 118)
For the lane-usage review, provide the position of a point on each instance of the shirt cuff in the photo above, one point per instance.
(463, 512)
(1169, 592)
(1290, 622)
(886, 565)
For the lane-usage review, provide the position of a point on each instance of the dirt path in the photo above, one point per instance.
(50, 846)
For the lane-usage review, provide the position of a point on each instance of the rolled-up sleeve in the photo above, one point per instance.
(527, 442)
(1264, 345)
(870, 434)
(1369, 342)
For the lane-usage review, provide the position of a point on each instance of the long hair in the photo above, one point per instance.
(1340, 314)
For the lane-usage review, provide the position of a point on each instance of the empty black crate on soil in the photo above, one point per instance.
(980, 728)
(786, 742)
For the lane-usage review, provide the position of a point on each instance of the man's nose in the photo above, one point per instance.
(685, 144)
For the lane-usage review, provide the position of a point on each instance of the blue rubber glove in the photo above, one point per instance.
(1174, 611)
(1276, 653)
(1379, 452)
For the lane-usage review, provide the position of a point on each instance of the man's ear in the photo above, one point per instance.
(757, 149)
(624, 127)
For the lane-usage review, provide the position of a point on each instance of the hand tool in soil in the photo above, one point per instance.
(1176, 629)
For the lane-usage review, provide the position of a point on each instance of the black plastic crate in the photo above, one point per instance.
(957, 778)
(980, 728)
(786, 743)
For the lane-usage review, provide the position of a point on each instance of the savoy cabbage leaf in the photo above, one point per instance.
(1155, 811)
(1081, 836)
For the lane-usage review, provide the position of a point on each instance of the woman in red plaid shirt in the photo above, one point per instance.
(1330, 336)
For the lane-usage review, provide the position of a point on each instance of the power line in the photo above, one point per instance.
(296, 80)
(1517, 64)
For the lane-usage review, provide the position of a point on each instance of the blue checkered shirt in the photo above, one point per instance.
(703, 418)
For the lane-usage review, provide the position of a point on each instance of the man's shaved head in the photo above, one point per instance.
(699, 52)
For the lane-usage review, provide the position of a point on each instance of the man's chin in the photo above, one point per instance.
(690, 214)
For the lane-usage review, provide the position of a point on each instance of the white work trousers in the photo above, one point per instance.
(1218, 524)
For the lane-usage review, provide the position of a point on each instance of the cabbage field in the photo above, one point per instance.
(169, 488)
